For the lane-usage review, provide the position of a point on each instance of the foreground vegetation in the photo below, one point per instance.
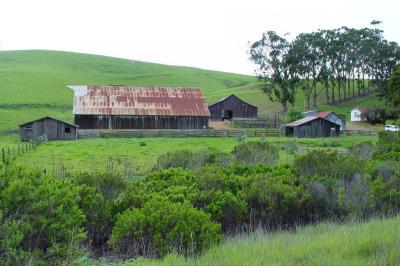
(374, 242)
(193, 199)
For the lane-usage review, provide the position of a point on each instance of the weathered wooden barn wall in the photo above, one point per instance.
(54, 128)
(316, 128)
(140, 122)
(239, 108)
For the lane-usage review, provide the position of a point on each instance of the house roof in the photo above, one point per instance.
(131, 100)
(361, 109)
(49, 117)
(232, 95)
(306, 120)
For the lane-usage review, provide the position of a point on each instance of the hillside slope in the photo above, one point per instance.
(33, 83)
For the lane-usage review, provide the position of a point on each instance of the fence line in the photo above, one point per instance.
(358, 132)
(178, 133)
(7, 153)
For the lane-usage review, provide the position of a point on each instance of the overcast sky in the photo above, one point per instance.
(206, 34)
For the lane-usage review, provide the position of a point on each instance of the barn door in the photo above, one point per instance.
(28, 133)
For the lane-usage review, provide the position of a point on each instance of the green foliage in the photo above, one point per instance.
(276, 198)
(363, 150)
(108, 185)
(165, 227)
(328, 164)
(393, 95)
(294, 115)
(45, 215)
(255, 153)
(192, 159)
(99, 216)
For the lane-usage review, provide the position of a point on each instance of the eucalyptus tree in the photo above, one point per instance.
(275, 67)
(307, 48)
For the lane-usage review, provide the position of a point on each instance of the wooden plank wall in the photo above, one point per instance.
(238, 107)
(140, 122)
(54, 129)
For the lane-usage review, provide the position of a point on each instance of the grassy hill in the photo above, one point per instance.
(33, 83)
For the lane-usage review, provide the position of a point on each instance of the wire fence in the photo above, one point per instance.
(9, 153)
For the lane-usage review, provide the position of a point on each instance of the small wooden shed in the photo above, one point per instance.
(312, 127)
(232, 107)
(54, 128)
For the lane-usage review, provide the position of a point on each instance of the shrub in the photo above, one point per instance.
(227, 209)
(363, 151)
(276, 198)
(142, 144)
(45, 215)
(255, 153)
(109, 185)
(328, 164)
(98, 213)
(161, 227)
(192, 159)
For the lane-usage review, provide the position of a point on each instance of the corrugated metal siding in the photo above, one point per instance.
(139, 101)
(239, 108)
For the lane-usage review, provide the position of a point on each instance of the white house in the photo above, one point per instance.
(359, 114)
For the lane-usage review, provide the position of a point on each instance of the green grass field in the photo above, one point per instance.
(33, 83)
(139, 154)
(375, 242)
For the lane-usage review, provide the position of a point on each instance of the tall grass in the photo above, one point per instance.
(376, 242)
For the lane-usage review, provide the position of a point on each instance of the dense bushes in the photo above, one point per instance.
(255, 153)
(40, 218)
(328, 164)
(162, 226)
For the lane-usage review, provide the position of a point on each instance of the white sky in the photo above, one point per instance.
(206, 34)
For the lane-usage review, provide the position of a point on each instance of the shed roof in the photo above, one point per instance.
(131, 100)
(232, 95)
(306, 120)
(48, 117)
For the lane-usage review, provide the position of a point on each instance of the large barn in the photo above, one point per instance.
(129, 107)
(312, 127)
(232, 107)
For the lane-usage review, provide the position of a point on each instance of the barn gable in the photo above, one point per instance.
(232, 107)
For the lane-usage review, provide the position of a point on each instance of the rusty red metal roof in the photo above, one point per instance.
(131, 100)
(324, 114)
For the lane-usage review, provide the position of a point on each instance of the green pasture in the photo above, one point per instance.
(33, 84)
(138, 155)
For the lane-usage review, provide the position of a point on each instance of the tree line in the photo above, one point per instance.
(345, 62)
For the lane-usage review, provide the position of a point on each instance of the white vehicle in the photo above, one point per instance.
(392, 128)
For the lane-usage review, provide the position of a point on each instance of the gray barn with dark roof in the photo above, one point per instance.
(312, 127)
(232, 107)
(54, 128)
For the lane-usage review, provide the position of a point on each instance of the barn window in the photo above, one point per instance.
(67, 130)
